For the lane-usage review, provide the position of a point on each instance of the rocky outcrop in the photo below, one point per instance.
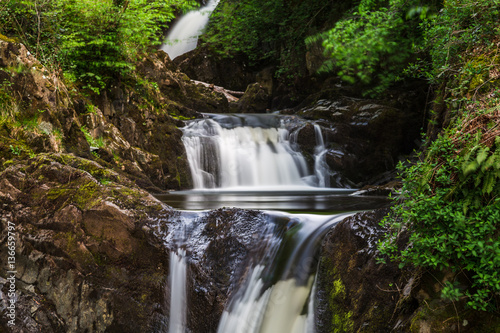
(92, 250)
(85, 260)
(255, 100)
(201, 64)
(133, 127)
(358, 294)
(364, 138)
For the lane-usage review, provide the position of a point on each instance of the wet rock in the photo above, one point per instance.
(221, 246)
(84, 262)
(255, 100)
(364, 138)
(200, 64)
(356, 293)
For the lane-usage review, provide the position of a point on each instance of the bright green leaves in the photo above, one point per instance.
(95, 41)
(452, 211)
(373, 45)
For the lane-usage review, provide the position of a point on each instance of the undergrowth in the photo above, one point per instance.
(450, 204)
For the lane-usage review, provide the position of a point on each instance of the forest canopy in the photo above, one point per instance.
(93, 41)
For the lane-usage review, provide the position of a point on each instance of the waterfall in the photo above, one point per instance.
(285, 305)
(183, 36)
(224, 154)
(321, 169)
(178, 307)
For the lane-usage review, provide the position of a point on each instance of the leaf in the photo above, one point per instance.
(470, 167)
(482, 155)
(489, 182)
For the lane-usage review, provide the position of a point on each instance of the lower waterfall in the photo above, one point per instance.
(276, 294)
(178, 307)
(287, 305)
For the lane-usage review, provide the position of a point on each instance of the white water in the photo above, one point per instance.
(249, 156)
(241, 156)
(321, 169)
(178, 306)
(183, 36)
(279, 308)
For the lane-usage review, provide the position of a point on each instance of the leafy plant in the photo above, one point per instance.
(15, 150)
(452, 208)
(93, 142)
(96, 41)
(374, 44)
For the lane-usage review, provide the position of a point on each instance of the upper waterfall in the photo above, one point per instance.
(183, 36)
(227, 151)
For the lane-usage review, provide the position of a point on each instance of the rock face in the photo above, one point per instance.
(85, 261)
(357, 294)
(364, 138)
(131, 127)
(92, 250)
(353, 291)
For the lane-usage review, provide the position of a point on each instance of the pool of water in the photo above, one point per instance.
(322, 201)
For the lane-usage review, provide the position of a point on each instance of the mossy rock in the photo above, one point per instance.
(85, 245)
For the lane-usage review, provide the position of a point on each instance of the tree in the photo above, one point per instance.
(95, 41)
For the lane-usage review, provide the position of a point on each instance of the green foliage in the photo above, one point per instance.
(93, 142)
(269, 32)
(460, 25)
(451, 291)
(97, 41)
(452, 210)
(374, 44)
(15, 150)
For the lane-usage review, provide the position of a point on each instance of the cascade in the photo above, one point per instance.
(278, 306)
(252, 159)
(183, 36)
(178, 308)
(249, 151)
(321, 169)
(276, 292)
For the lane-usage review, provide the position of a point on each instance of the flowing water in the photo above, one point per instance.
(286, 304)
(254, 162)
(178, 306)
(257, 151)
(183, 36)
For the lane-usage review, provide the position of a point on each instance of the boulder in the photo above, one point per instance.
(358, 293)
(255, 100)
(202, 65)
(364, 138)
(85, 260)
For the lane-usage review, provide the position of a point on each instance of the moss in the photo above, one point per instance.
(341, 319)
(338, 304)
(88, 196)
(84, 258)
(7, 39)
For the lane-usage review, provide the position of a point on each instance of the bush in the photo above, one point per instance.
(451, 197)
(96, 41)
(375, 42)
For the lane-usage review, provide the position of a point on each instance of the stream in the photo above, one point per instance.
(253, 162)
